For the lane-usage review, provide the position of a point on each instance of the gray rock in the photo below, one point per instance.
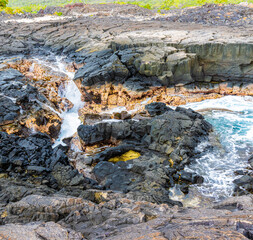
(10, 74)
(37, 231)
(156, 108)
(163, 141)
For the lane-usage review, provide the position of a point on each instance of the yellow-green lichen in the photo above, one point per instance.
(125, 157)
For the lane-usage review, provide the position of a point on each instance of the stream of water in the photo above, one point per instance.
(70, 118)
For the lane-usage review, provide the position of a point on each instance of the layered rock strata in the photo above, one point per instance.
(132, 75)
(125, 163)
(180, 63)
(116, 217)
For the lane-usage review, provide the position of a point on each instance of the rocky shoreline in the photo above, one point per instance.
(112, 180)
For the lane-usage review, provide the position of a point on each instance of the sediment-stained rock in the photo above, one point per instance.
(47, 80)
(177, 61)
(23, 109)
(126, 63)
(132, 74)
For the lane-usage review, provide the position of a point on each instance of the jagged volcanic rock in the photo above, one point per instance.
(23, 108)
(166, 144)
(32, 159)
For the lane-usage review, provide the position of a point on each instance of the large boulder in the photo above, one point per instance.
(149, 152)
(167, 64)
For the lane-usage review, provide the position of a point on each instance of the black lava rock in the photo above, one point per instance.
(34, 159)
(156, 108)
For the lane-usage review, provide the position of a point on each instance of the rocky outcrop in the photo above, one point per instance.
(47, 80)
(244, 184)
(132, 74)
(213, 54)
(23, 109)
(116, 217)
(164, 145)
(128, 166)
(32, 159)
(176, 62)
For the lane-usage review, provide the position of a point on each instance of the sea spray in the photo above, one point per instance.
(234, 129)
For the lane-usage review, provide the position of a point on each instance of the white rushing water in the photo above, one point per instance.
(70, 118)
(70, 91)
(234, 127)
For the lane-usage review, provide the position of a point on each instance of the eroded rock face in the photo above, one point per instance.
(23, 108)
(124, 65)
(47, 80)
(128, 75)
(166, 143)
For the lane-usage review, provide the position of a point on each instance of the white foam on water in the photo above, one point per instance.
(233, 103)
(70, 118)
(115, 110)
(70, 91)
(235, 131)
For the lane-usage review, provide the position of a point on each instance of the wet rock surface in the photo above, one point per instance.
(177, 55)
(46, 79)
(166, 143)
(23, 108)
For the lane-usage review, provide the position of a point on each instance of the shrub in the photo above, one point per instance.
(167, 4)
(3, 3)
(58, 13)
(9, 10)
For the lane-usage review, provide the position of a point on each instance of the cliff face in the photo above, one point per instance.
(134, 69)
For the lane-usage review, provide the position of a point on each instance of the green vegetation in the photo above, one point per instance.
(58, 13)
(19, 6)
(3, 3)
(169, 4)
(41, 3)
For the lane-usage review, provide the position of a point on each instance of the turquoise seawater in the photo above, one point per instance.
(232, 119)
